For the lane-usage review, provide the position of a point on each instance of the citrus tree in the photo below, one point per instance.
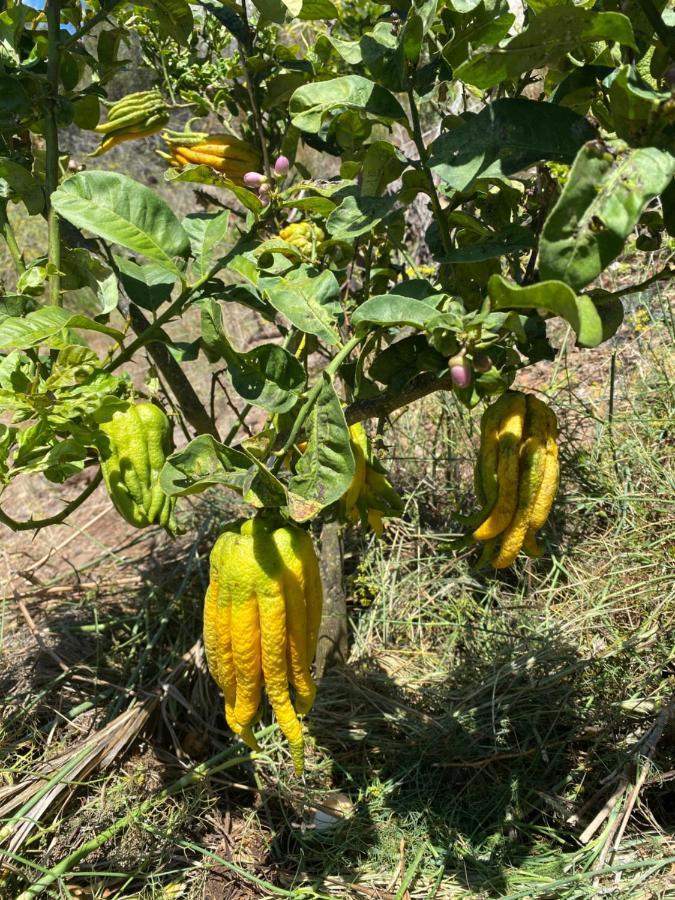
(406, 194)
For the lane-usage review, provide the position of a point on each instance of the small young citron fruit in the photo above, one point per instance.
(254, 179)
(482, 362)
(281, 166)
(460, 371)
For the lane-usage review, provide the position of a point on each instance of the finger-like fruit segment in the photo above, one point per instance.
(370, 497)
(510, 435)
(517, 474)
(261, 619)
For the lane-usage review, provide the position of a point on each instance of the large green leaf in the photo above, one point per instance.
(17, 183)
(512, 239)
(206, 231)
(267, 376)
(124, 212)
(205, 463)
(326, 468)
(358, 215)
(550, 35)
(476, 24)
(394, 309)
(43, 324)
(600, 205)
(309, 299)
(555, 297)
(311, 103)
(505, 137)
(147, 286)
(206, 175)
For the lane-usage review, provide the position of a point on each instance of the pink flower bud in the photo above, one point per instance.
(281, 167)
(264, 188)
(460, 371)
(264, 200)
(253, 179)
(482, 362)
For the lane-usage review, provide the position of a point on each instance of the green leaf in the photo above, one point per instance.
(267, 376)
(293, 6)
(311, 103)
(555, 297)
(206, 175)
(326, 468)
(549, 36)
(505, 137)
(147, 286)
(312, 10)
(43, 324)
(308, 299)
(274, 10)
(382, 164)
(600, 205)
(513, 239)
(641, 115)
(205, 463)
(17, 184)
(88, 285)
(229, 18)
(206, 231)
(393, 309)
(484, 26)
(124, 212)
(358, 215)
(173, 17)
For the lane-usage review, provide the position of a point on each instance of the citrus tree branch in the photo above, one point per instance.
(33, 524)
(389, 401)
(52, 148)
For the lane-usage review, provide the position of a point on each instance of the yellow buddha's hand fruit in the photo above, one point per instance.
(516, 476)
(370, 497)
(226, 154)
(133, 447)
(305, 236)
(262, 613)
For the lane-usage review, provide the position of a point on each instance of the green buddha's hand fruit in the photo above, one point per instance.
(133, 447)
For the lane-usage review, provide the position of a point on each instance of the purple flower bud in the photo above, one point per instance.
(264, 200)
(281, 167)
(460, 371)
(253, 179)
(264, 188)
(482, 362)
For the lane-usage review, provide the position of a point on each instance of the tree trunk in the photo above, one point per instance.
(333, 643)
(188, 400)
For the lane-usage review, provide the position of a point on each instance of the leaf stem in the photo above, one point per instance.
(149, 334)
(331, 370)
(52, 148)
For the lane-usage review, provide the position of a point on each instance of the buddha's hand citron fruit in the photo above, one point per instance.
(262, 613)
(516, 476)
(370, 497)
(133, 446)
(225, 153)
